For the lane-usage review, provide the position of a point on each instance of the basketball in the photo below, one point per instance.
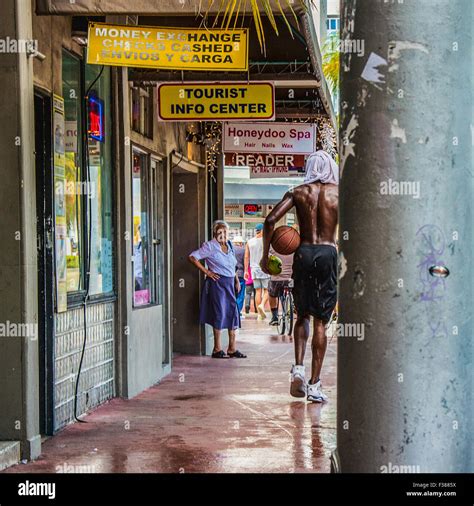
(285, 240)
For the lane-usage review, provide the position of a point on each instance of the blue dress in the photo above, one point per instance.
(218, 302)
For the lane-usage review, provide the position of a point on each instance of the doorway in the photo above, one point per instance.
(188, 225)
(150, 352)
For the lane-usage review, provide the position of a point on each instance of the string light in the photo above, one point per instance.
(212, 140)
(211, 135)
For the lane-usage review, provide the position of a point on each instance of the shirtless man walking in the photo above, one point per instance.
(314, 266)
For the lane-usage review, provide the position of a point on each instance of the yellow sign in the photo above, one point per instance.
(216, 101)
(167, 48)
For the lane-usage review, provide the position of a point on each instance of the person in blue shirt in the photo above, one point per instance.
(218, 298)
(239, 250)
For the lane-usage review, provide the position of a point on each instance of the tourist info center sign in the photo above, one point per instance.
(268, 164)
(167, 48)
(216, 101)
(281, 138)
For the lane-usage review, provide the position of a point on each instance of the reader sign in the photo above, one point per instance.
(291, 138)
(167, 48)
(268, 164)
(216, 101)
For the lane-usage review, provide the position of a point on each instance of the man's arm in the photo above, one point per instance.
(285, 204)
(237, 283)
(246, 262)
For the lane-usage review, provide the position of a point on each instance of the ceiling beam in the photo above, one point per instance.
(281, 80)
(144, 7)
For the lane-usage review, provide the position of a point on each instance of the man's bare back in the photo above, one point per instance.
(315, 261)
(316, 206)
(317, 210)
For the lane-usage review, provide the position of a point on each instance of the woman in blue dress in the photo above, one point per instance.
(218, 301)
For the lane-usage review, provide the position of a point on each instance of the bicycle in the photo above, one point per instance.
(286, 310)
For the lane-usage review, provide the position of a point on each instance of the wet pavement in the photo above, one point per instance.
(208, 415)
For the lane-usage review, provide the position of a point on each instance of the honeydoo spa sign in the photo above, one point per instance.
(167, 48)
(283, 138)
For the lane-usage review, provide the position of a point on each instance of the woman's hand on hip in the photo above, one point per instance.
(237, 286)
(212, 275)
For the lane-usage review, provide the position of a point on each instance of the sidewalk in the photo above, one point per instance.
(208, 415)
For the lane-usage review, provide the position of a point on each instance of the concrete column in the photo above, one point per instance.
(18, 271)
(124, 220)
(405, 382)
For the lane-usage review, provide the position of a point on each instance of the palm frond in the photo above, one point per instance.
(228, 13)
(289, 2)
(236, 14)
(285, 19)
(218, 13)
(258, 23)
(331, 62)
(229, 9)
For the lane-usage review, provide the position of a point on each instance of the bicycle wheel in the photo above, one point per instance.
(290, 312)
(282, 315)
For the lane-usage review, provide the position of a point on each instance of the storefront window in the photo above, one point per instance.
(88, 177)
(141, 103)
(101, 186)
(73, 173)
(142, 254)
(235, 229)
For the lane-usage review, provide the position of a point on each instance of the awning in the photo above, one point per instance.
(141, 7)
(291, 61)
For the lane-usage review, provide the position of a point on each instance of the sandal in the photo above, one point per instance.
(237, 354)
(219, 354)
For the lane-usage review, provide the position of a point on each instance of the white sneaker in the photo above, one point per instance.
(315, 394)
(298, 381)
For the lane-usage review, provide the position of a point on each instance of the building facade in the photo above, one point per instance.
(95, 199)
(103, 204)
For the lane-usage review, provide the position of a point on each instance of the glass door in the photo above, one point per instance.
(144, 271)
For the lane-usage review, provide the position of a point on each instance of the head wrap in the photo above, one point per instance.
(320, 166)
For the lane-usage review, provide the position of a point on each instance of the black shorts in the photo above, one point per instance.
(275, 288)
(315, 276)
